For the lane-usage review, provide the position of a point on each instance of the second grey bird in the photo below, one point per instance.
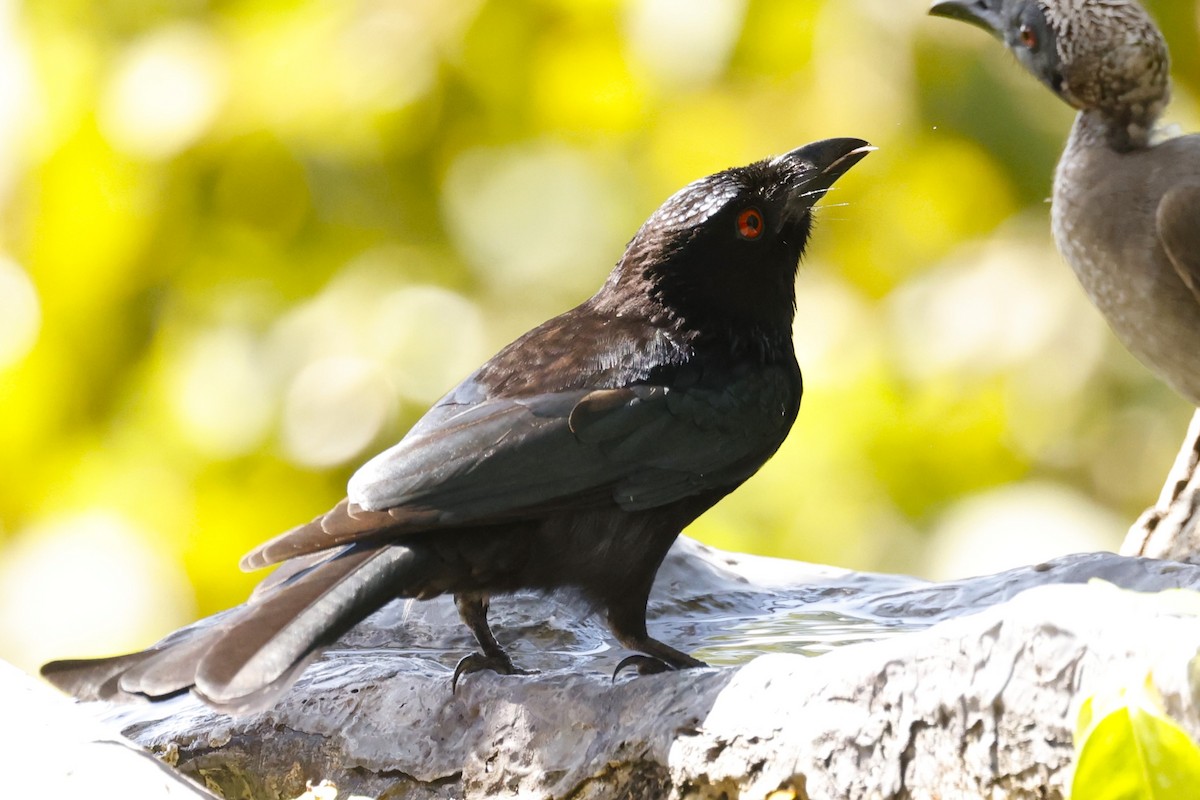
(1126, 210)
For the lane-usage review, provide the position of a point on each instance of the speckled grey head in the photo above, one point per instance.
(1104, 55)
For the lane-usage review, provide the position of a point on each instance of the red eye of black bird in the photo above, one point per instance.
(750, 223)
(1028, 37)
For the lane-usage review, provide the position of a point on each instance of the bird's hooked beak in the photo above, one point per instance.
(980, 13)
(819, 164)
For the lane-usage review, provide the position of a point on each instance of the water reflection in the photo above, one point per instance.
(805, 633)
(551, 637)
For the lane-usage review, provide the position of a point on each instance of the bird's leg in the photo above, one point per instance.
(627, 620)
(473, 609)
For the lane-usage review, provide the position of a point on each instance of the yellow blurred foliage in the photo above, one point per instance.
(244, 244)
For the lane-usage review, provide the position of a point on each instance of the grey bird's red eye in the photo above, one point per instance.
(750, 223)
(1028, 37)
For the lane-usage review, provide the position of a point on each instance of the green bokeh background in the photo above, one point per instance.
(244, 244)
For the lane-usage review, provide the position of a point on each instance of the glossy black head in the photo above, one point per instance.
(1103, 55)
(726, 247)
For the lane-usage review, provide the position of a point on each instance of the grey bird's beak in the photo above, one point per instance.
(979, 13)
(820, 164)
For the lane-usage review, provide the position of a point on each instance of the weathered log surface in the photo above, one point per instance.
(971, 689)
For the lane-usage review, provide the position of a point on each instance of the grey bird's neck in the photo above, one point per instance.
(1122, 133)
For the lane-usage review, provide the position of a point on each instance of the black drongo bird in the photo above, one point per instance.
(571, 460)
(1126, 210)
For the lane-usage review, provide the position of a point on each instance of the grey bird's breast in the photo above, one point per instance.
(1104, 219)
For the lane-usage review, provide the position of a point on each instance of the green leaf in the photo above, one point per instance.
(1133, 754)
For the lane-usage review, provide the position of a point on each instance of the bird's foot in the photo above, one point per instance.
(652, 656)
(478, 662)
(645, 665)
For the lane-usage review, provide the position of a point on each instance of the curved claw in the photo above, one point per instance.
(645, 665)
(478, 662)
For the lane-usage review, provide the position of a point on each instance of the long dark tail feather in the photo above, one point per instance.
(94, 678)
(170, 669)
(289, 570)
(309, 611)
(247, 659)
